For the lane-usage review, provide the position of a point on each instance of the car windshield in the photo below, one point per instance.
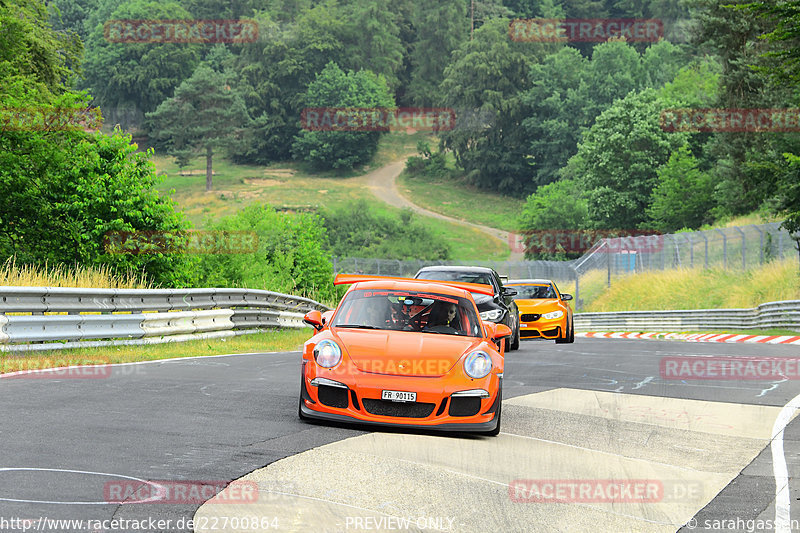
(463, 277)
(533, 292)
(408, 311)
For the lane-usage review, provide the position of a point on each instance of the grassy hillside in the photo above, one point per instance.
(693, 288)
(463, 201)
(292, 187)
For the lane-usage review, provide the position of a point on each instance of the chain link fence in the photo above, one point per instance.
(738, 247)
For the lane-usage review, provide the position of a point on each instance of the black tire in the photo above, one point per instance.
(571, 332)
(564, 339)
(514, 341)
(496, 431)
(300, 414)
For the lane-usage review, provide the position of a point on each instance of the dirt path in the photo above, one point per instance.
(383, 183)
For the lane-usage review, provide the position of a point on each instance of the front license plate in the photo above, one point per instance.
(523, 325)
(398, 396)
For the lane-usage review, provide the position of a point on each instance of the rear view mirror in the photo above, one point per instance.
(566, 297)
(313, 318)
(508, 291)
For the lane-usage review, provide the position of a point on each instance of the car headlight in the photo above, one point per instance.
(553, 314)
(478, 364)
(327, 353)
(492, 314)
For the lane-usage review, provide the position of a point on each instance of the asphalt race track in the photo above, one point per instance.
(597, 412)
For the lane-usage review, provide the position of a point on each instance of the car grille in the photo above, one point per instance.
(464, 406)
(332, 396)
(530, 317)
(398, 409)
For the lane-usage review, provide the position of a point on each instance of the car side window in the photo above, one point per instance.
(496, 282)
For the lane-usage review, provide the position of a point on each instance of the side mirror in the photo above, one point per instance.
(566, 297)
(501, 332)
(326, 317)
(508, 291)
(313, 318)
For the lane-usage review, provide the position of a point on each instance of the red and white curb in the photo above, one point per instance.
(694, 337)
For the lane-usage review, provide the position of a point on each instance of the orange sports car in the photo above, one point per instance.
(543, 311)
(405, 352)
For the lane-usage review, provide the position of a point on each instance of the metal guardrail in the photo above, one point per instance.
(48, 318)
(783, 315)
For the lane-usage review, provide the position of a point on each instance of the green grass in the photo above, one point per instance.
(290, 186)
(458, 199)
(685, 288)
(270, 341)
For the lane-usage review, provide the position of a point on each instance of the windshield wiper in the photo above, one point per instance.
(356, 326)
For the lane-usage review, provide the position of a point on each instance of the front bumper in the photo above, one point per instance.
(542, 328)
(357, 399)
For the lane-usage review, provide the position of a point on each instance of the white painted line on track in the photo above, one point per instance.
(782, 500)
(160, 490)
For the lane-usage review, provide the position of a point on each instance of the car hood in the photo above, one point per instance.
(404, 353)
(539, 305)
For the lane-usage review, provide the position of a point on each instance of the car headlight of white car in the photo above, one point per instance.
(327, 353)
(553, 314)
(492, 314)
(478, 364)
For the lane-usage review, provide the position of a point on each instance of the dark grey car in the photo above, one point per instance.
(499, 308)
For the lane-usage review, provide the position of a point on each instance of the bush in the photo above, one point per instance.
(63, 191)
(289, 255)
(359, 231)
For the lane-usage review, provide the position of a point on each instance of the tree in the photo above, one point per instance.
(558, 99)
(333, 89)
(274, 74)
(783, 64)
(441, 25)
(32, 52)
(555, 206)
(72, 15)
(732, 34)
(373, 40)
(63, 189)
(62, 192)
(137, 76)
(683, 196)
(617, 160)
(488, 75)
(204, 115)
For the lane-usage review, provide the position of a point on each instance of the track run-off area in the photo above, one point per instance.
(600, 435)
